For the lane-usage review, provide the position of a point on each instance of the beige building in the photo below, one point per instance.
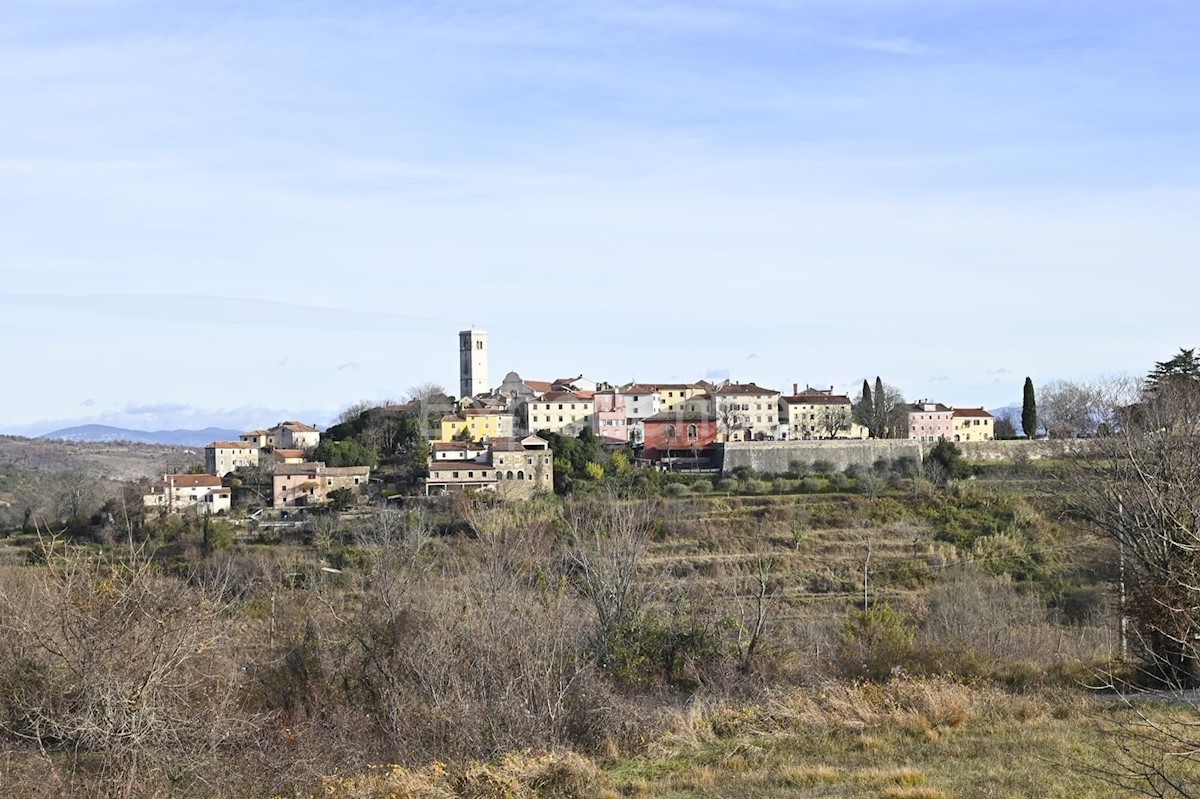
(816, 415)
(310, 483)
(179, 492)
(259, 438)
(564, 412)
(223, 457)
(973, 424)
(743, 411)
(294, 435)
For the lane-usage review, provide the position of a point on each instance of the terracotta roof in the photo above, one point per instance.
(919, 407)
(638, 388)
(817, 399)
(486, 412)
(311, 467)
(290, 453)
(298, 427)
(743, 388)
(971, 412)
(232, 445)
(518, 445)
(454, 446)
(193, 480)
(568, 396)
(540, 386)
(256, 433)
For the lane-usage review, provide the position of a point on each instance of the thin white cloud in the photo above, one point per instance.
(890, 45)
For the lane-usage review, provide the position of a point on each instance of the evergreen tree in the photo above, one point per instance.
(864, 411)
(1185, 365)
(879, 410)
(1029, 411)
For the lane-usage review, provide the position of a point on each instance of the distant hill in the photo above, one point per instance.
(177, 438)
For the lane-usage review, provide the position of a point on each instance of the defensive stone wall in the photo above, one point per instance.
(1014, 450)
(776, 457)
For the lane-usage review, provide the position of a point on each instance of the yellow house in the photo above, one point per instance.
(672, 395)
(477, 423)
(973, 424)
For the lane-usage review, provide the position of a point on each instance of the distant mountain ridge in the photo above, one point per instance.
(178, 438)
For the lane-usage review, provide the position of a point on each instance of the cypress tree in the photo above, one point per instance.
(864, 412)
(879, 402)
(1029, 411)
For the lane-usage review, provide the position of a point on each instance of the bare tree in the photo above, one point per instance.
(754, 595)
(606, 540)
(432, 403)
(1085, 408)
(731, 420)
(834, 420)
(76, 495)
(107, 662)
(1139, 486)
(352, 412)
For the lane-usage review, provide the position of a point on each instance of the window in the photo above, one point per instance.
(478, 345)
(455, 474)
(508, 476)
(692, 433)
(520, 475)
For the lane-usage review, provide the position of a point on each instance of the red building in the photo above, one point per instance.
(679, 438)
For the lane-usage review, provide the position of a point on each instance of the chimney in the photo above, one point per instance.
(795, 388)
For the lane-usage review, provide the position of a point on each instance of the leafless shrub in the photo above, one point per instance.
(110, 669)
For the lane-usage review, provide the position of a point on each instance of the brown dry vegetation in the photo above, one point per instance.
(701, 646)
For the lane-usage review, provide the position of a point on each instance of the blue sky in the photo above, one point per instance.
(230, 213)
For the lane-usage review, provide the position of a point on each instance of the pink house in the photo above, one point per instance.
(930, 421)
(610, 421)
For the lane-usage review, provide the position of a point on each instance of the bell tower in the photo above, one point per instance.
(472, 363)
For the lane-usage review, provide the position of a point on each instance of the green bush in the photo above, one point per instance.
(812, 485)
(875, 645)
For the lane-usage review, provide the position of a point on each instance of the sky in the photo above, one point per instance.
(231, 213)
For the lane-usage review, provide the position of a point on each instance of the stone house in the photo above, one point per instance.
(309, 483)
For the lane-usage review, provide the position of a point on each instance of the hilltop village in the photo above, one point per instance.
(500, 438)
